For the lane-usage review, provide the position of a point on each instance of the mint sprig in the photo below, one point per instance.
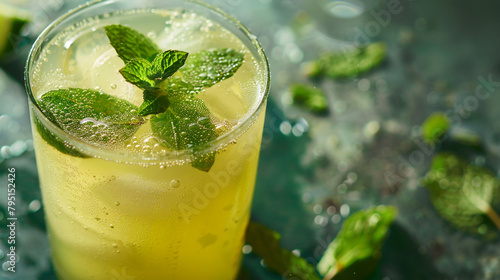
(170, 81)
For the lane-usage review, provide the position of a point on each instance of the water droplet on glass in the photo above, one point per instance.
(175, 184)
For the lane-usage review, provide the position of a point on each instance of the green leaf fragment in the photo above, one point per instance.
(355, 251)
(136, 72)
(185, 125)
(166, 64)
(466, 137)
(12, 22)
(464, 194)
(130, 44)
(57, 142)
(155, 102)
(91, 116)
(265, 244)
(206, 68)
(310, 97)
(348, 63)
(434, 127)
(203, 162)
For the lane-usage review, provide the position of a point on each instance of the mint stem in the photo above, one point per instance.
(493, 216)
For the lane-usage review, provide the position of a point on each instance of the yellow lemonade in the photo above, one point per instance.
(137, 210)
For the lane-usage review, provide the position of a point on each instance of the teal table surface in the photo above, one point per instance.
(316, 170)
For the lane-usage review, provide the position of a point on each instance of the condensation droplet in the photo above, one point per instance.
(175, 184)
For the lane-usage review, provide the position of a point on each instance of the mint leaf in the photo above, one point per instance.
(92, 116)
(184, 125)
(130, 44)
(155, 102)
(206, 68)
(158, 101)
(350, 63)
(434, 127)
(55, 141)
(166, 64)
(136, 72)
(203, 162)
(310, 97)
(356, 248)
(265, 244)
(463, 194)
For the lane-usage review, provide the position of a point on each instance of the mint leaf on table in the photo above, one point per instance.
(91, 116)
(310, 97)
(208, 67)
(355, 251)
(434, 127)
(348, 63)
(166, 64)
(130, 44)
(464, 194)
(265, 244)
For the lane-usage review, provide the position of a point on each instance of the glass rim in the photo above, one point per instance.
(172, 155)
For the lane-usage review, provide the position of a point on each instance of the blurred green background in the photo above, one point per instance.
(316, 170)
